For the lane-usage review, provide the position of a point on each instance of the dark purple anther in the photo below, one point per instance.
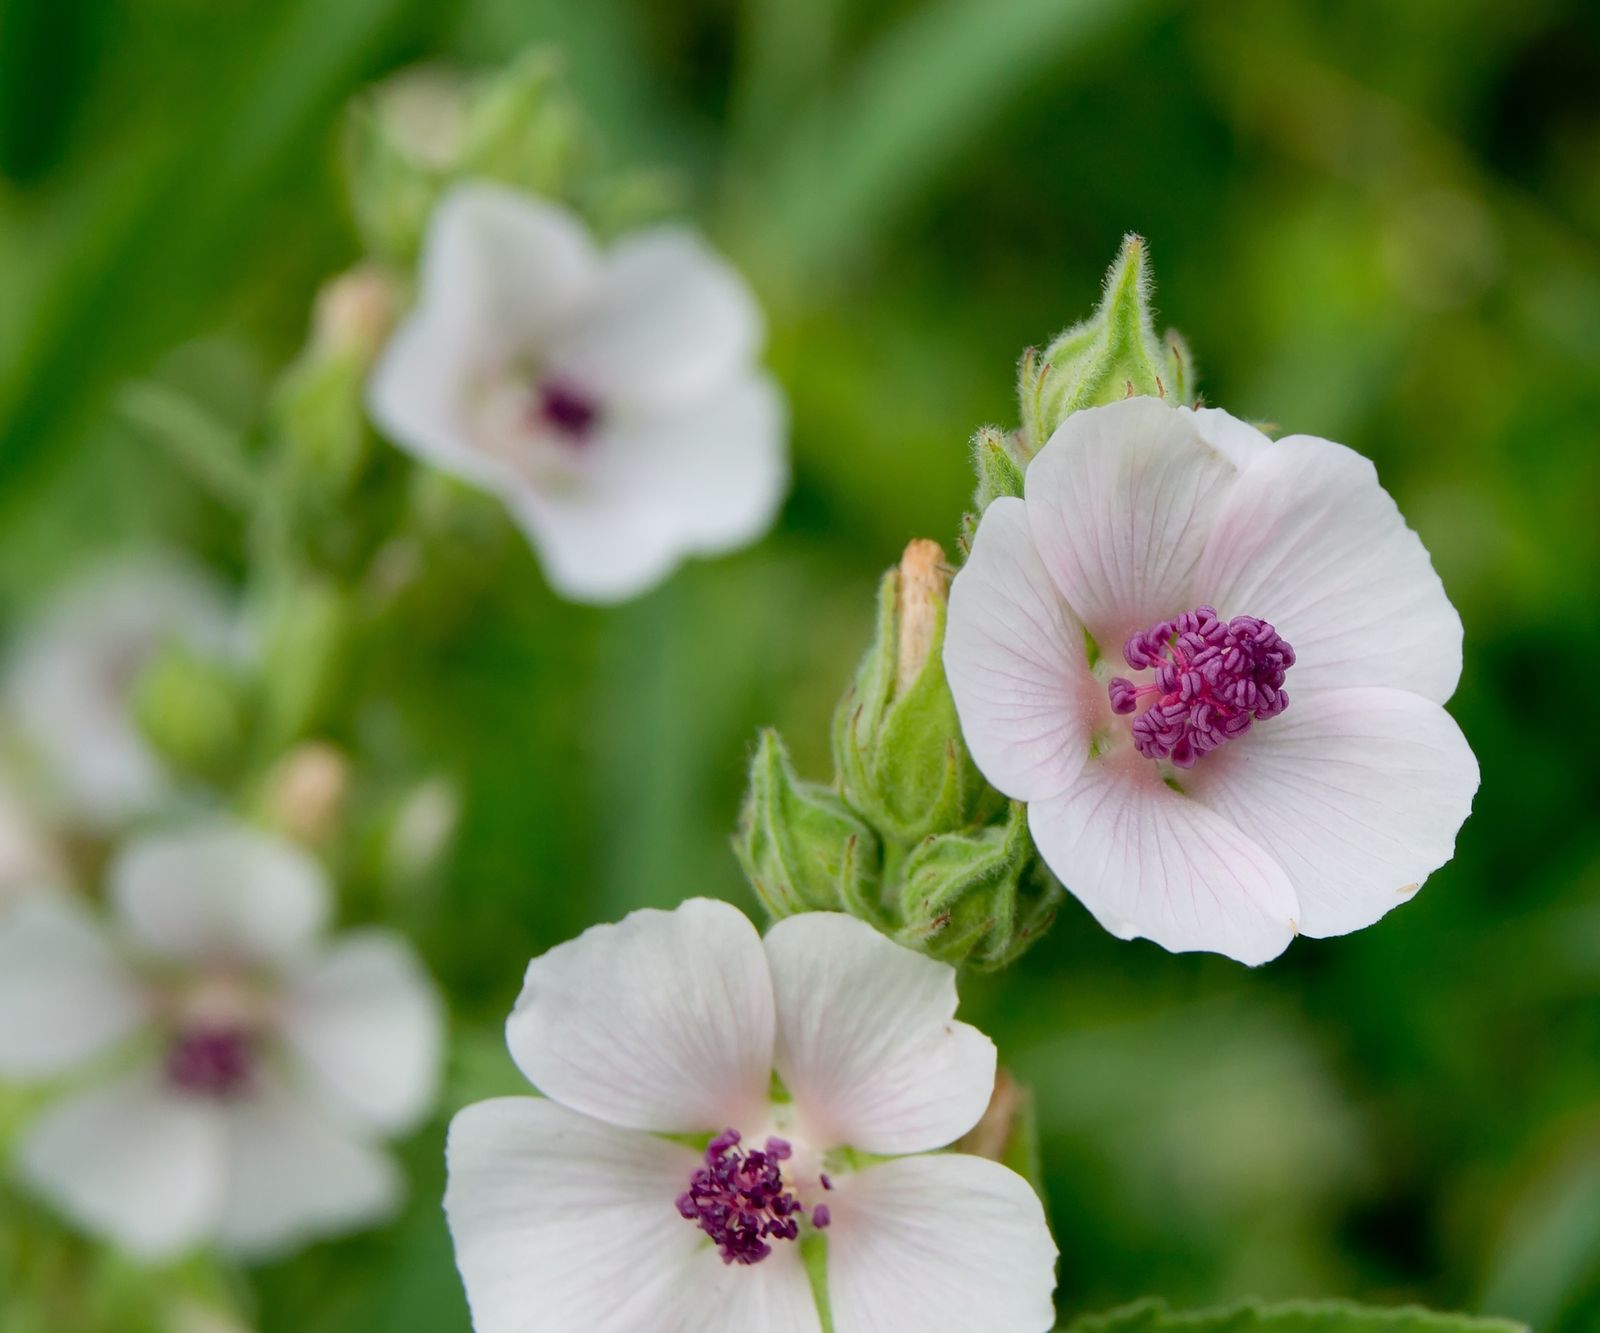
(211, 1062)
(739, 1200)
(567, 408)
(1213, 678)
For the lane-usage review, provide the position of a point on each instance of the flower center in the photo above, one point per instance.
(211, 1061)
(565, 408)
(740, 1200)
(1213, 678)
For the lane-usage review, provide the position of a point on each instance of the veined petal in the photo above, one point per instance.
(131, 1160)
(567, 1225)
(219, 891)
(945, 1243)
(868, 1045)
(1151, 862)
(64, 993)
(294, 1174)
(1358, 793)
(1120, 501)
(366, 1021)
(1309, 541)
(1015, 658)
(663, 1021)
(671, 322)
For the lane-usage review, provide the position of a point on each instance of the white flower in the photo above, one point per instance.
(1213, 665)
(70, 680)
(579, 1215)
(260, 1071)
(611, 399)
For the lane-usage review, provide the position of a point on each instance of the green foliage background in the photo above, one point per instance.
(1374, 222)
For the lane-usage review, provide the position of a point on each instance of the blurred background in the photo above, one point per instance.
(1378, 223)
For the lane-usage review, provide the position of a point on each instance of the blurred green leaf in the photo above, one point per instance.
(1153, 1316)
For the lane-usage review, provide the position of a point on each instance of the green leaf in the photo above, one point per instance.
(1154, 1316)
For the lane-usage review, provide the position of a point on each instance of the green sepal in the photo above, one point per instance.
(977, 897)
(1154, 1316)
(800, 845)
(1114, 354)
(999, 472)
(897, 742)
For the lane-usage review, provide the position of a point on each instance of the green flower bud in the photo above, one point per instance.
(1111, 355)
(999, 469)
(896, 739)
(801, 847)
(307, 629)
(320, 403)
(978, 897)
(191, 709)
(523, 127)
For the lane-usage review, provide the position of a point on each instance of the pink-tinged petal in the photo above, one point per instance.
(1152, 863)
(132, 1160)
(1120, 501)
(868, 1045)
(1309, 541)
(671, 322)
(1015, 657)
(941, 1244)
(1237, 441)
(64, 994)
(661, 1022)
(366, 1023)
(295, 1174)
(219, 891)
(1358, 793)
(565, 1224)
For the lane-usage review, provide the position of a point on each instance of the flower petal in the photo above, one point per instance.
(671, 322)
(867, 1042)
(941, 1244)
(1358, 793)
(1310, 541)
(219, 890)
(662, 1021)
(1121, 500)
(1237, 441)
(1014, 656)
(294, 1174)
(367, 1022)
(131, 1160)
(1150, 862)
(64, 993)
(704, 480)
(566, 1224)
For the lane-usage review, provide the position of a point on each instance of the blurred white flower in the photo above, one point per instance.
(70, 680)
(612, 399)
(249, 1114)
(576, 1215)
(1123, 644)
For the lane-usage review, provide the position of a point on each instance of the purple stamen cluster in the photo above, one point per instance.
(1213, 678)
(739, 1200)
(211, 1062)
(567, 408)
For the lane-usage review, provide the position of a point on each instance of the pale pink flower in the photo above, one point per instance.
(591, 1213)
(243, 1075)
(1213, 666)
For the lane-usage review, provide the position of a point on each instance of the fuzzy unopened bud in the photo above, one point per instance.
(355, 312)
(920, 595)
